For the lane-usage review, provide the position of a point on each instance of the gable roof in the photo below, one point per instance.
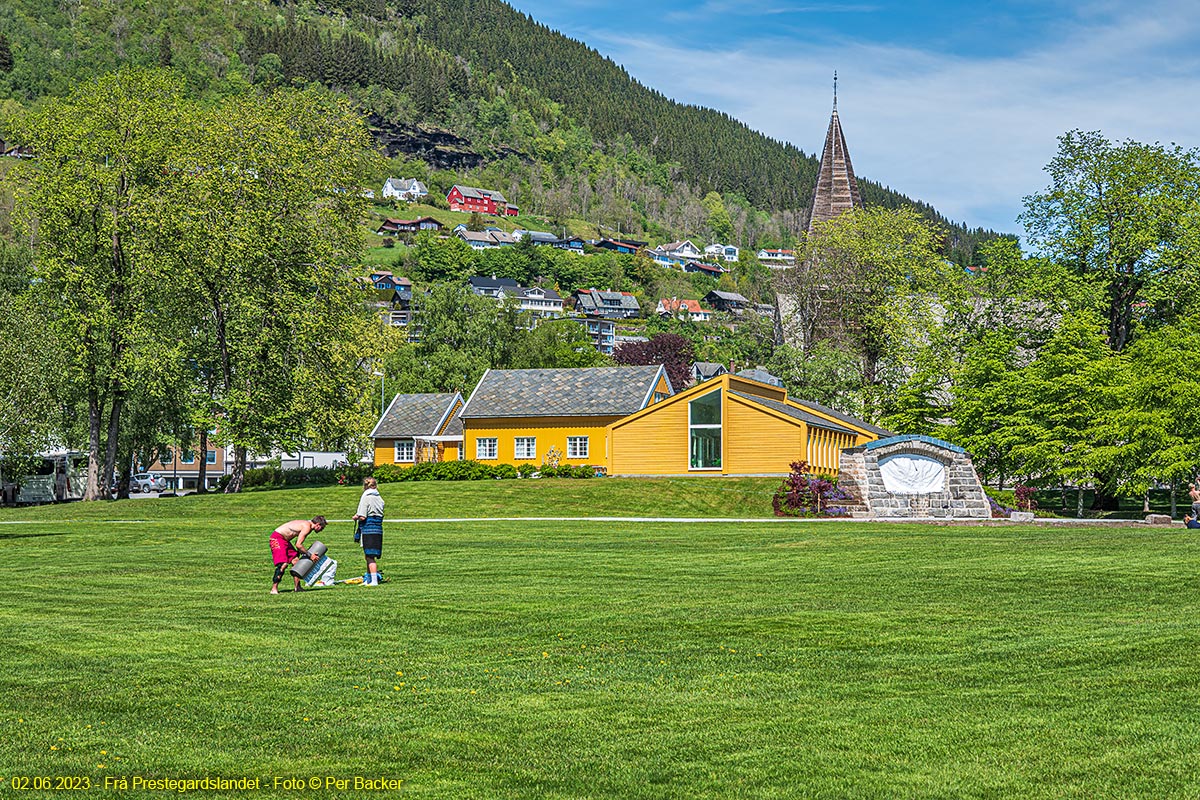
(412, 415)
(812, 420)
(728, 297)
(704, 370)
(479, 194)
(674, 305)
(582, 392)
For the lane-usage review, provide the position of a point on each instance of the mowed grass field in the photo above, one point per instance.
(531, 659)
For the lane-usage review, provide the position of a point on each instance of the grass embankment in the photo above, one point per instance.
(601, 659)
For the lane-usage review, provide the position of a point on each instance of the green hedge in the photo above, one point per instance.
(276, 478)
(444, 471)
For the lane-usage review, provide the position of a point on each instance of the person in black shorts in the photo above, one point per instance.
(370, 528)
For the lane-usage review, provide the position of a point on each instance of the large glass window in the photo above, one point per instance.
(189, 457)
(577, 447)
(525, 447)
(405, 451)
(210, 456)
(704, 431)
(485, 449)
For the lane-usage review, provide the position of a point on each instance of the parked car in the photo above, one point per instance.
(147, 482)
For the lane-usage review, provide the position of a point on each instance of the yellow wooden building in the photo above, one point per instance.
(536, 416)
(732, 425)
(419, 427)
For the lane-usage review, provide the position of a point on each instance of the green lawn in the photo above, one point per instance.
(600, 659)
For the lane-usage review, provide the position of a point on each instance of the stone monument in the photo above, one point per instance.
(912, 476)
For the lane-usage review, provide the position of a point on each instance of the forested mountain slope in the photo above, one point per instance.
(564, 128)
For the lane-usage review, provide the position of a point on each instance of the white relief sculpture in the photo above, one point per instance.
(912, 474)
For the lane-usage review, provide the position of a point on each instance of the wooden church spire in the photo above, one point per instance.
(837, 188)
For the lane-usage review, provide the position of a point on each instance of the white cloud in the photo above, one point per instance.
(968, 135)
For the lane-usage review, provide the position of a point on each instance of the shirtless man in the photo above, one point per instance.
(1194, 493)
(284, 553)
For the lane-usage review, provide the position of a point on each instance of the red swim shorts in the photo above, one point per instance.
(281, 549)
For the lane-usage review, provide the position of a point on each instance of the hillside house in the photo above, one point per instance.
(704, 267)
(681, 250)
(724, 252)
(418, 428)
(601, 332)
(536, 300)
(406, 189)
(626, 246)
(395, 227)
(483, 201)
(482, 240)
(684, 309)
(777, 258)
(519, 416)
(727, 302)
(706, 370)
(611, 305)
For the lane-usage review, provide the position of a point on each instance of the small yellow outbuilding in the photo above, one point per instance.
(731, 425)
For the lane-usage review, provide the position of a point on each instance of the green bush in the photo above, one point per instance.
(273, 477)
(444, 471)
(525, 470)
(568, 471)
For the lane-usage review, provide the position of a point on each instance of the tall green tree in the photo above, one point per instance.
(102, 163)
(1122, 216)
(872, 281)
(260, 223)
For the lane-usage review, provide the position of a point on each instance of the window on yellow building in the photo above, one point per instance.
(406, 452)
(525, 447)
(486, 449)
(704, 431)
(577, 447)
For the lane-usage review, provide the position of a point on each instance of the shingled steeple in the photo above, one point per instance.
(837, 188)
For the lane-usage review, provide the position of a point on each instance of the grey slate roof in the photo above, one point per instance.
(704, 370)
(592, 391)
(847, 418)
(795, 413)
(415, 415)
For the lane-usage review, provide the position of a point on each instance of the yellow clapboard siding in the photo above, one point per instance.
(656, 444)
(755, 441)
(548, 432)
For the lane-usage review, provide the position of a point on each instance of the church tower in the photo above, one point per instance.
(837, 188)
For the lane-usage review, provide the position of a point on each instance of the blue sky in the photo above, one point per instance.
(957, 104)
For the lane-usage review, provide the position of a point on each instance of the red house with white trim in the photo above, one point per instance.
(485, 201)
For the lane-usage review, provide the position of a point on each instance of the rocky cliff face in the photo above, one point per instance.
(437, 147)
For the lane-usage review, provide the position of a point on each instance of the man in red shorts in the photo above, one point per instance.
(284, 553)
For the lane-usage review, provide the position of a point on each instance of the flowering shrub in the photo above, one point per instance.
(806, 495)
(1024, 498)
(999, 510)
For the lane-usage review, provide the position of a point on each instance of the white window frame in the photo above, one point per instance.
(573, 448)
(210, 457)
(188, 457)
(706, 426)
(398, 454)
(525, 448)
(493, 448)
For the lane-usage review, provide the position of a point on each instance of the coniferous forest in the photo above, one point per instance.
(565, 130)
